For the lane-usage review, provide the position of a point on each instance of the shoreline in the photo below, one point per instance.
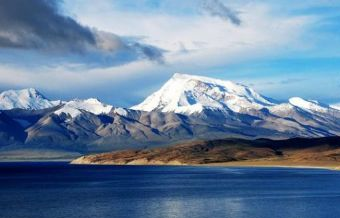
(333, 168)
(35, 160)
(224, 164)
(287, 163)
(242, 164)
(259, 163)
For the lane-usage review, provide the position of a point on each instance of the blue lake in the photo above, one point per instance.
(59, 190)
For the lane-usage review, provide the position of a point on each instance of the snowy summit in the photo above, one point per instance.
(188, 94)
(92, 105)
(30, 99)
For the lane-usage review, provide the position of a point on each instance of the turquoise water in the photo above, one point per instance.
(59, 190)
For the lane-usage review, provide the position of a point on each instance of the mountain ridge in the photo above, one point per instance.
(227, 94)
(194, 107)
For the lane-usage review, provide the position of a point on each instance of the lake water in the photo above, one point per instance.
(59, 190)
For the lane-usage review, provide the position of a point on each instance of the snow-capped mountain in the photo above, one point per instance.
(29, 99)
(196, 96)
(187, 94)
(76, 106)
(186, 107)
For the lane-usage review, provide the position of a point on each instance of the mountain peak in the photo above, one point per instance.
(92, 105)
(29, 98)
(27, 92)
(189, 94)
(187, 77)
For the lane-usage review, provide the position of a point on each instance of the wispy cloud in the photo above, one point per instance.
(39, 25)
(218, 9)
(292, 80)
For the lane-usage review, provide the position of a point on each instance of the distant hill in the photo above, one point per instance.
(320, 152)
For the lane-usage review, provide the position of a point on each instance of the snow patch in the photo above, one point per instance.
(308, 104)
(120, 111)
(335, 106)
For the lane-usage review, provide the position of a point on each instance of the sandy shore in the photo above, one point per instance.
(330, 165)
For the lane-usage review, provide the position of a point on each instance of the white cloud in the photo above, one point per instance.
(260, 30)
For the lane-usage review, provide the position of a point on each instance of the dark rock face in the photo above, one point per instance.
(11, 132)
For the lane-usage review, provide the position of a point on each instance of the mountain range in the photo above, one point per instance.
(186, 107)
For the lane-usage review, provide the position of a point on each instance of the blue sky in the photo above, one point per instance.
(122, 50)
